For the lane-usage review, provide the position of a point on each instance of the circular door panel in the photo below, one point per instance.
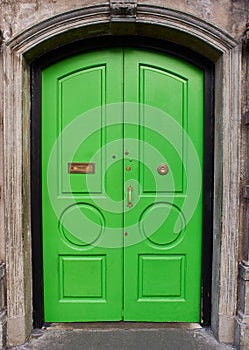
(81, 224)
(162, 223)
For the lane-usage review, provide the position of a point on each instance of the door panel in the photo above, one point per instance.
(163, 267)
(164, 90)
(123, 241)
(82, 279)
(79, 92)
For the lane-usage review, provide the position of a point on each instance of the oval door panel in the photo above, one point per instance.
(81, 224)
(159, 223)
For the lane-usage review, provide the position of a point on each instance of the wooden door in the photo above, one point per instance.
(122, 143)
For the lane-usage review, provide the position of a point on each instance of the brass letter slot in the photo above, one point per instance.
(81, 168)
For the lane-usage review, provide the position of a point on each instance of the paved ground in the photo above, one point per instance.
(123, 336)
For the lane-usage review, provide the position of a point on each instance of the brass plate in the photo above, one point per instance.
(81, 168)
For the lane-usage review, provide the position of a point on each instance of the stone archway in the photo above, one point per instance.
(119, 19)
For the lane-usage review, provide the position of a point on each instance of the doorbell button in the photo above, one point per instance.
(163, 169)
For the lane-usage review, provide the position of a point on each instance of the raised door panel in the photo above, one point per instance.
(81, 117)
(166, 93)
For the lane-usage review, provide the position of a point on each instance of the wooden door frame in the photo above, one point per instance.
(208, 156)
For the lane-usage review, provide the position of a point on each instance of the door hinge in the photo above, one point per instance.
(246, 36)
(246, 192)
(246, 118)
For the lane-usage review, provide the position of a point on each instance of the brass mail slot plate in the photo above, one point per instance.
(81, 168)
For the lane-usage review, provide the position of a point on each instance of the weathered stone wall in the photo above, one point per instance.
(220, 38)
(16, 16)
(3, 319)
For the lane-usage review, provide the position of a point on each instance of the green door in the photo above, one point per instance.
(122, 148)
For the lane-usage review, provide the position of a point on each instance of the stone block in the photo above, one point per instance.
(242, 321)
(3, 319)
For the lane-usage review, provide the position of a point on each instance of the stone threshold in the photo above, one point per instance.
(119, 325)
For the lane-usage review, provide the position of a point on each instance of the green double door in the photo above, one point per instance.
(122, 149)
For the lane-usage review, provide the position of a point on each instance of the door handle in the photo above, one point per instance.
(130, 189)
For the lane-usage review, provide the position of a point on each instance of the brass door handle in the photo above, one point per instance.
(130, 189)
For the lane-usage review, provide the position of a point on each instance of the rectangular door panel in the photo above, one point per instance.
(81, 117)
(92, 282)
(168, 284)
(163, 115)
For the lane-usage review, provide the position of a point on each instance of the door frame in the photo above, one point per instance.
(208, 155)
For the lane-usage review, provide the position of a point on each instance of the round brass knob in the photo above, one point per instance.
(163, 169)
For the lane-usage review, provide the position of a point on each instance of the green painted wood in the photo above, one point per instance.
(127, 111)
(162, 279)
(82, 277)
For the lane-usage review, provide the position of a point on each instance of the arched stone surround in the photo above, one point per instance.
(93, 21)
